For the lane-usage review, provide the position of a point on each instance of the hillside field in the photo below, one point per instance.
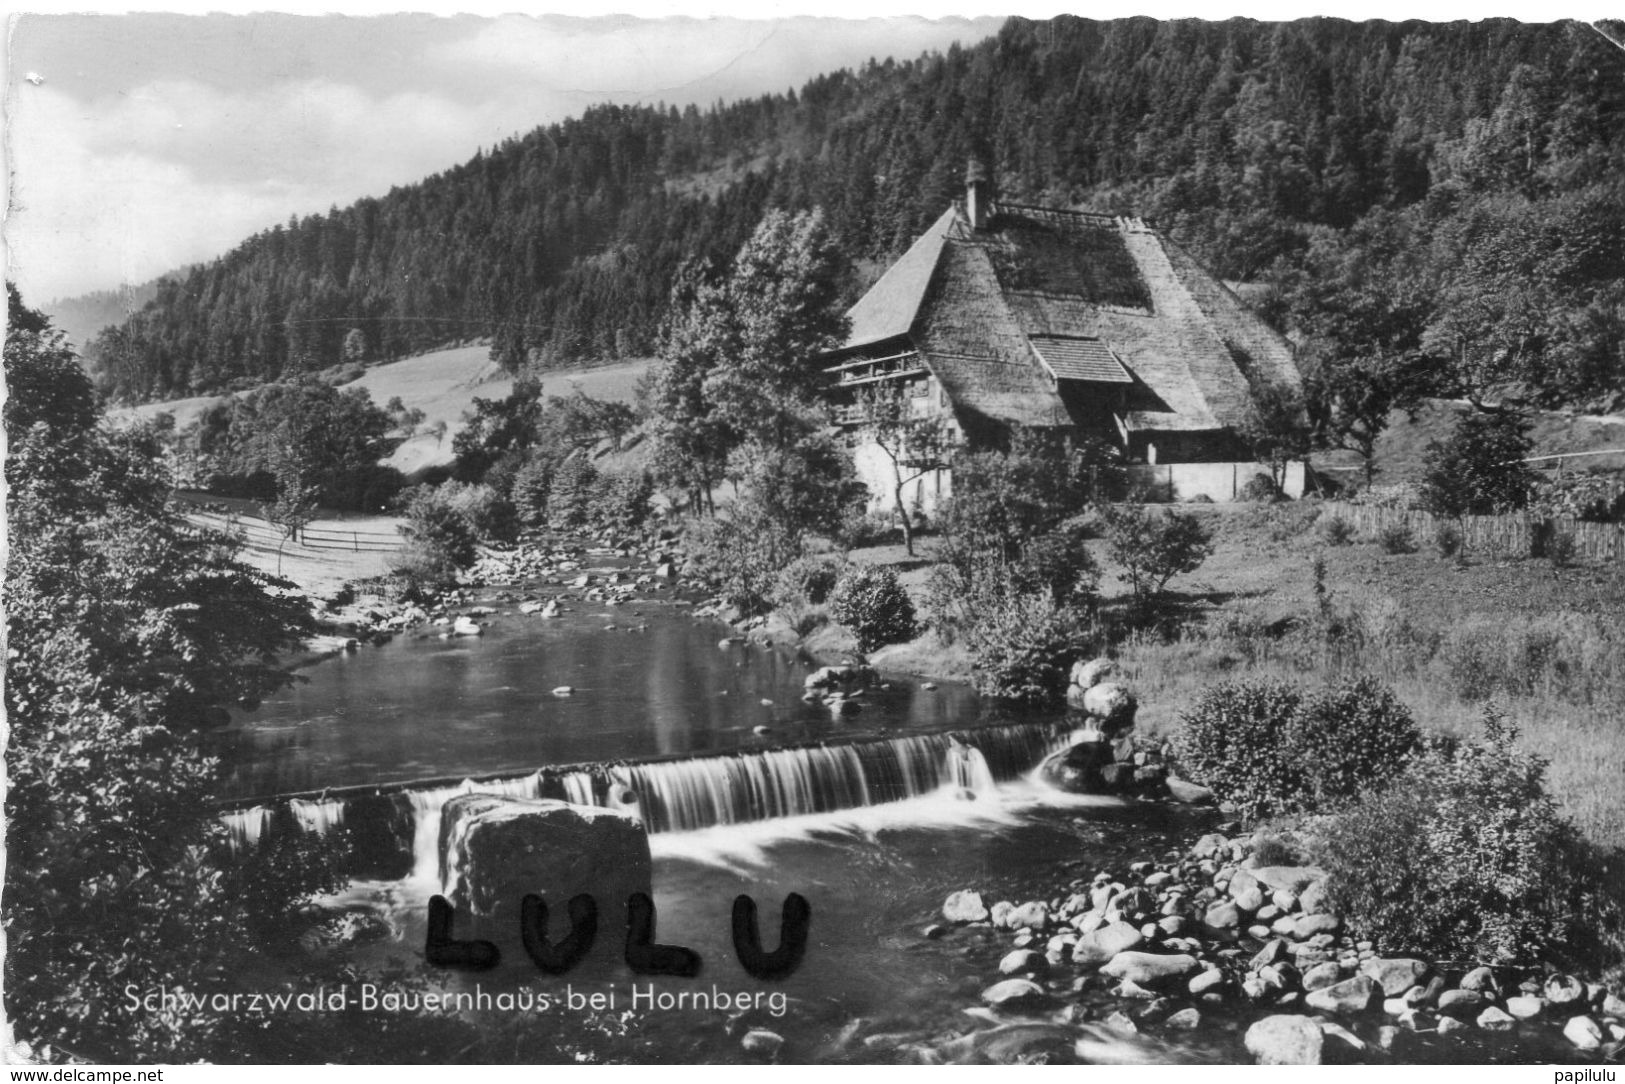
(443, 384)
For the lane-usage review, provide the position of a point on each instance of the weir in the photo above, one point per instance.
(396, 835)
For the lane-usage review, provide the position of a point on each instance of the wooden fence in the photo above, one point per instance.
(1506, 536)
(259, 532)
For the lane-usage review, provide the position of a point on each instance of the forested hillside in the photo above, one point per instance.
(1403, 189)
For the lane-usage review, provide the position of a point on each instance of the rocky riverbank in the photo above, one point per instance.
(1233, 937)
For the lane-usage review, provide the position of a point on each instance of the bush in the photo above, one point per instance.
(809, 580)
(859, 529)
(1348, 738)
(1396, 539)
(1234, 741)
(1269, 747)
(871, 603)
(1025, 646)
(443, 526)
(1447, 540)
(1260, 488)
(1466, 857)
(531, 486)
(1334, 530)
(741, 554)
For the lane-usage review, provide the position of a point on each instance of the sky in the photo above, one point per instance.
(139, 143)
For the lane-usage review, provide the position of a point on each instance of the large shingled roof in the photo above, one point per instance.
(1038, 296)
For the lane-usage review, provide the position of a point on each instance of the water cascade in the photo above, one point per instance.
(700, 792)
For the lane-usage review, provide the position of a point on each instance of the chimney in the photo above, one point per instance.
(978, 193)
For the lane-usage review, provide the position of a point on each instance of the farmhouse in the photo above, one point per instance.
(1003, 316)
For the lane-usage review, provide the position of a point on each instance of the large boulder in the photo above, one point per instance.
(1151, 969)
(1078, 769)
(1285, 1040)
(1086, 674)
(494, 849)
(1113, 705)
(964, 906)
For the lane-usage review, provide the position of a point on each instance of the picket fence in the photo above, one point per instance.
(1505, 536)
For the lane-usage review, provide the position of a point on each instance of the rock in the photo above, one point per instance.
(1613, 1005)
(1157, 879)
(761, 1043)
(1183, 790)
(1349, 997)
(1086, 675)
(1284, 1040)
(1390, 1038)
(1524, 1007)
(1428, 993)
(965, 906)
(1022, 1044)
(1113, 705)
(1207, 981)
(1209, 845)
(1461, 1004)
(1078, 769)
(1321, 976)
(1102, 945)
(1282, 977)
(1273, 952)
(1449, 1024)
(1000, 915)
(493, 850)
(1312, 925)
(1033, 915)
(1564, 990)
(465, 626)
(1584, 1032)
(1249, 899)
(1493, 1019)
(1395, 1006)
(1333, 1030)
(1022, 962)
(1395, 975)
(1150, 969)
(1015, 994)
(565, 690)
(1222, 917)
(1480, 979)
(934, 932)
(1173, 925)
(1186, 1019)
(1312, 900)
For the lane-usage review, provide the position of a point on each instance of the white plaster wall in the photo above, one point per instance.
(1216, 481)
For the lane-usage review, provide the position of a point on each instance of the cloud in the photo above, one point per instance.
(173, 172)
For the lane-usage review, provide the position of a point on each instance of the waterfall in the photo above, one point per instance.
(320, 816)
(684, 795)
(577, 788)
(246, 826)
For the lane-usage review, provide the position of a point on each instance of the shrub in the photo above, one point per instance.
(1260, 488)
(871, 603)
(809, 580)
(1025, 647)
(741, 553)
(1447, 540)
(1269, 747)
(1234, 741)
(1349, 737)
(1466, 857)
(1334, 530)
(859, 529)
(1396, 539)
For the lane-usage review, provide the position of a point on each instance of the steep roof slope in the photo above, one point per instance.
(995, 310)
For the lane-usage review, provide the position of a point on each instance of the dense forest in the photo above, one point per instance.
(1396, 189)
